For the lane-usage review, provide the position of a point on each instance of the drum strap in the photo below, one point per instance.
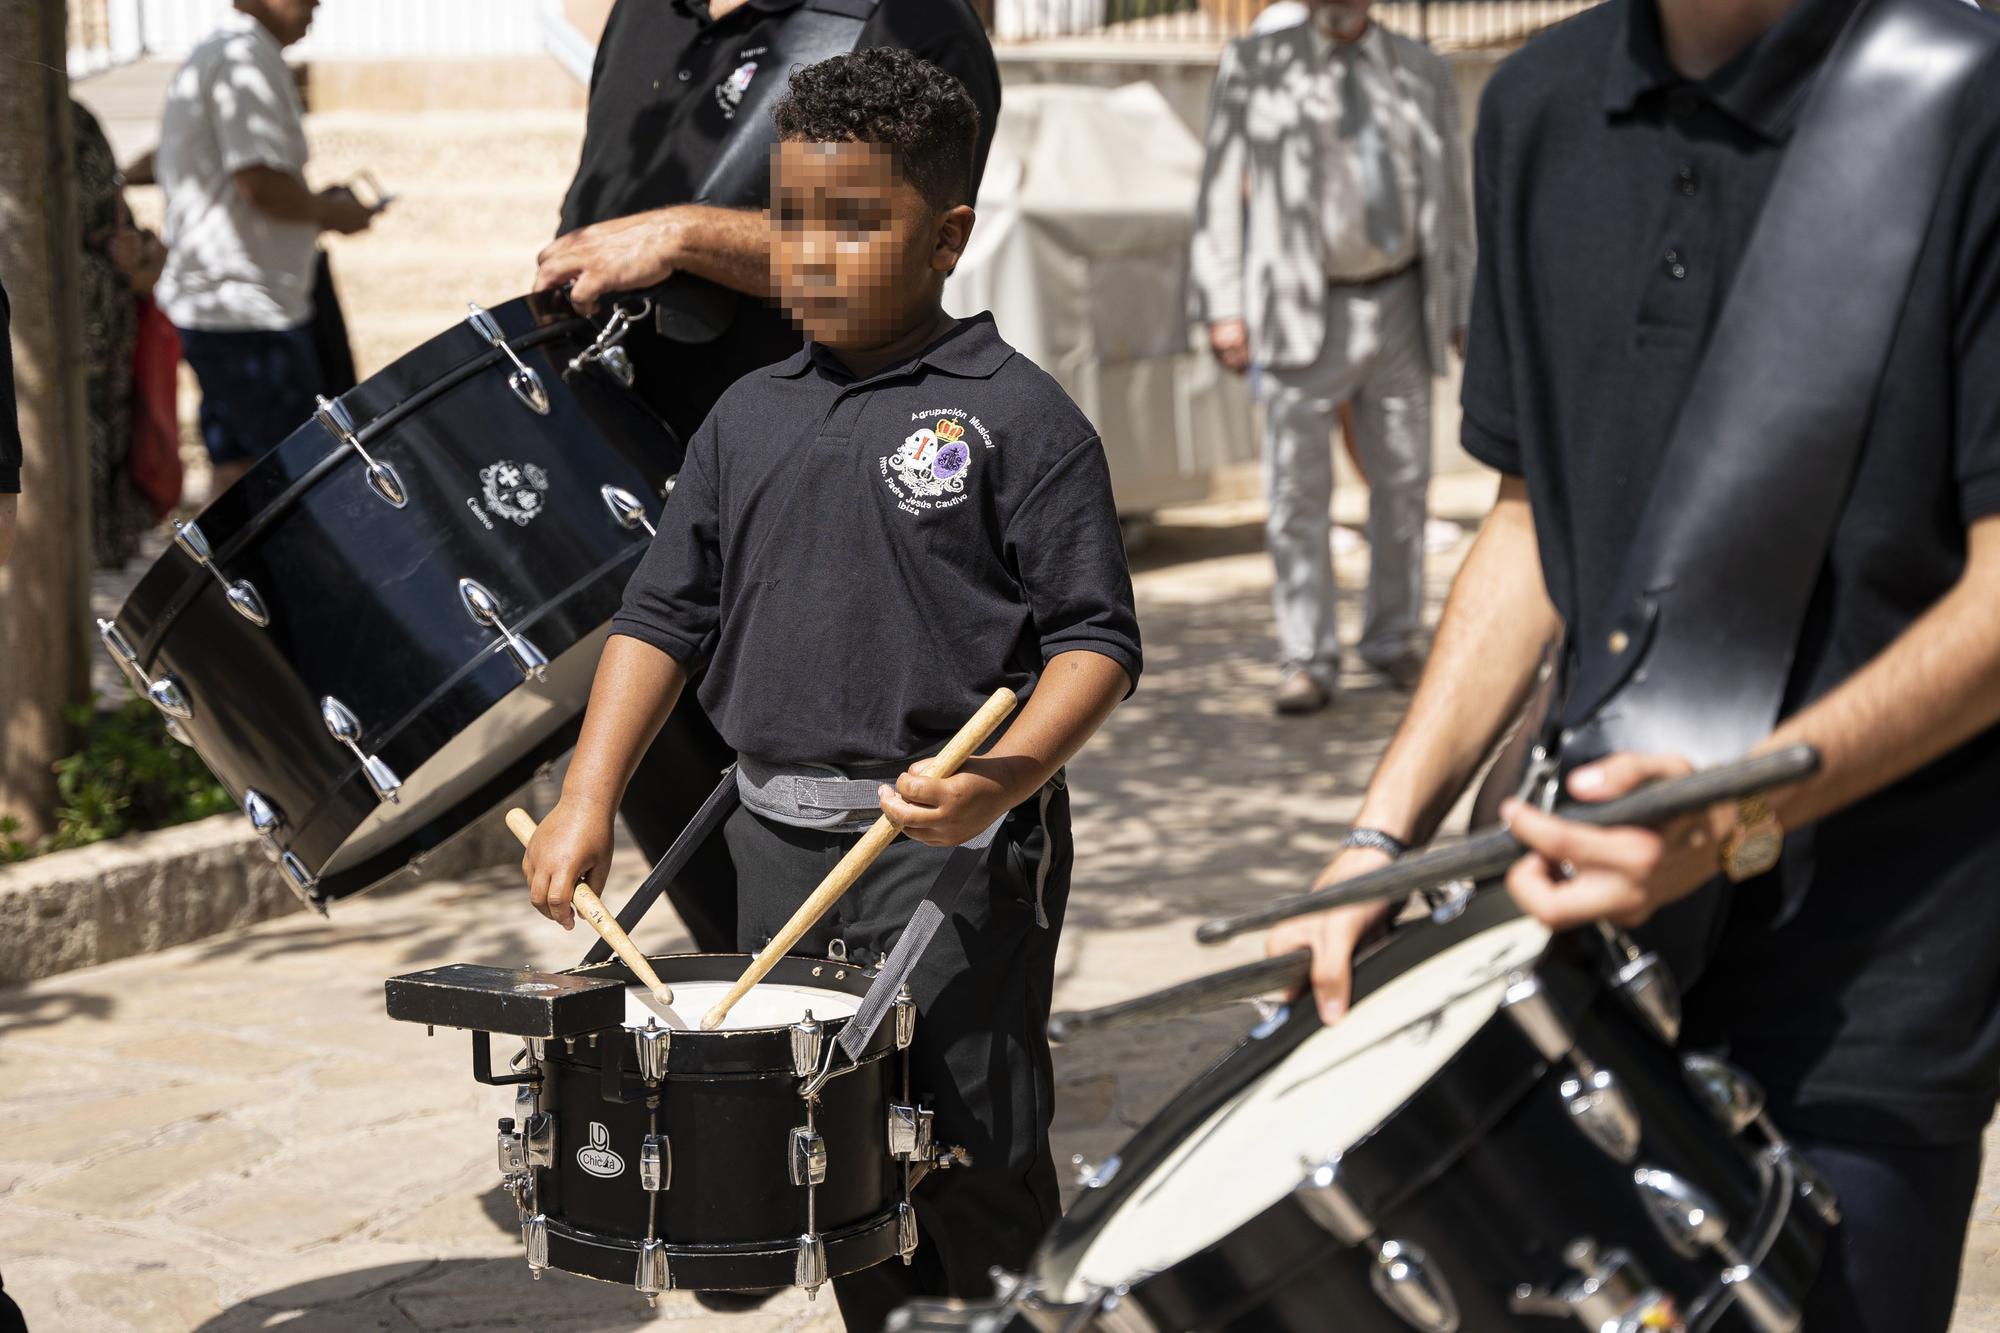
(1707, 614)
(706, 821)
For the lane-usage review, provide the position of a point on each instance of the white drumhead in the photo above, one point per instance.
(768, 1005)
(1329, 1094)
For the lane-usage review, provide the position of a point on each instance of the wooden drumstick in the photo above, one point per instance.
(860, 856)
(591, 908)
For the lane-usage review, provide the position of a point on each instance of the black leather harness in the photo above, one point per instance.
(1712, 598)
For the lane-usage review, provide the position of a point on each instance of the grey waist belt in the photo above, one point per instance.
(820, 796)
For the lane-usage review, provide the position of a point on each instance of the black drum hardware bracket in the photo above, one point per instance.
(515, 1001)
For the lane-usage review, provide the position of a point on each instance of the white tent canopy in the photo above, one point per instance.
(1081, 251)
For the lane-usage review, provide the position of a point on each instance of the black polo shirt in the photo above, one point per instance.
(660, 105)
(861, 563)
(10, 425)
(1614, 199)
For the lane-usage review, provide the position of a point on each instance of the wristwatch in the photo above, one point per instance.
(1752, 847)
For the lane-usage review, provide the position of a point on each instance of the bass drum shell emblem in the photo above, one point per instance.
(514, 491)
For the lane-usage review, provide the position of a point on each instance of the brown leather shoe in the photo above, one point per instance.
(1300, 692)
(1403, 670)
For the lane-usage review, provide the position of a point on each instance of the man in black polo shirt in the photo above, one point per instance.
(677, 83)
(868, 539)
(1621, 163)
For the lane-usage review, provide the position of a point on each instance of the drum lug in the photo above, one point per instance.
(484, 608)
(808, 1157)
(1448, 902)
(652, 1277)
(906, 1018)
(1731, 1094)
(1738, 1102)
(1687, 1217)
(906, 1231)
(1531, 1009)
(626, 509)
(807, 1039)
(1649, 987)
(1766, 1307)
(345, 727)
(910, 1132)
(810, 1272)
(525, 383)
(540, 1136)
(535, 1236)
(1402, 1277)
(653, 1043)
(334, 418)
(168, 696)
(242, 595)
(1602, 1111)
(267, 819)
(1329, 1204)
(656, 1163)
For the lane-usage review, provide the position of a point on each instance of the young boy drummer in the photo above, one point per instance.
(865, 542)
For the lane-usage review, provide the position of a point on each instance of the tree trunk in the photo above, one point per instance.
(45, 590)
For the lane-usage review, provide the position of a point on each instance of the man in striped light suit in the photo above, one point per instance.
(1333, 248)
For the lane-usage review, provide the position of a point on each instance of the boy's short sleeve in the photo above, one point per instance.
(673, 599)
(1064, 541)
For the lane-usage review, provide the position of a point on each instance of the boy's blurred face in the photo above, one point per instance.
(858, 256)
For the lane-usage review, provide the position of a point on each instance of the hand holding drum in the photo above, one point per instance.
(591, 908)
(860, 856)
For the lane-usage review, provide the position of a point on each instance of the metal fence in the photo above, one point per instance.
(1446, 24)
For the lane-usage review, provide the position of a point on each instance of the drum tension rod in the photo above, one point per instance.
(525, 383)
(335, 419)
(482, 1064)
(243, 597)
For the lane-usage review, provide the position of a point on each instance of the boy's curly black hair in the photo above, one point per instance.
(892, 97)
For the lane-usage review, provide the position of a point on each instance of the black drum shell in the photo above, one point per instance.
(363, 597)
(731, 1216)
(1481, 1170)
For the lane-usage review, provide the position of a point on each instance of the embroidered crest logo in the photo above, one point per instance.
(597, 1158)
(729, 93)
(514, 491)
(932, 467)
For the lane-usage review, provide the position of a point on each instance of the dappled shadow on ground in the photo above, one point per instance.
(484, 1294)
(24, 1010)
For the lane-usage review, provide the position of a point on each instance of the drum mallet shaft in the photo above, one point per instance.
(1484, 855)
(860, 856)
(591, 908)
(1286, 972)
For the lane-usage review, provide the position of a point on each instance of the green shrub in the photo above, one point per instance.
(128, 776)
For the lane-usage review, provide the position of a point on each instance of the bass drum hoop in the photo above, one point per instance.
(1244, 1064)
(723, 1267)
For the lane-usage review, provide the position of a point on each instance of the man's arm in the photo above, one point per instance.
(1215, 258)
(730, 246)
(1496, 624)
(1076, 693)
(1931, 690)
(282, 195)
(636, 687)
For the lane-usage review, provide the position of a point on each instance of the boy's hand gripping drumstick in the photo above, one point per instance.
(859, 857)
(591, 908)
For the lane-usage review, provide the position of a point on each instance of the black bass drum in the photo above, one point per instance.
(1494, 1138)
(393, 619)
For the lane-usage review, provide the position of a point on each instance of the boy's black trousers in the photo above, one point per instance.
(981, 1055)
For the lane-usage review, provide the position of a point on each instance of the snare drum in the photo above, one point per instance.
(667, 1157)
(393, 619)
(1492, 1139)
